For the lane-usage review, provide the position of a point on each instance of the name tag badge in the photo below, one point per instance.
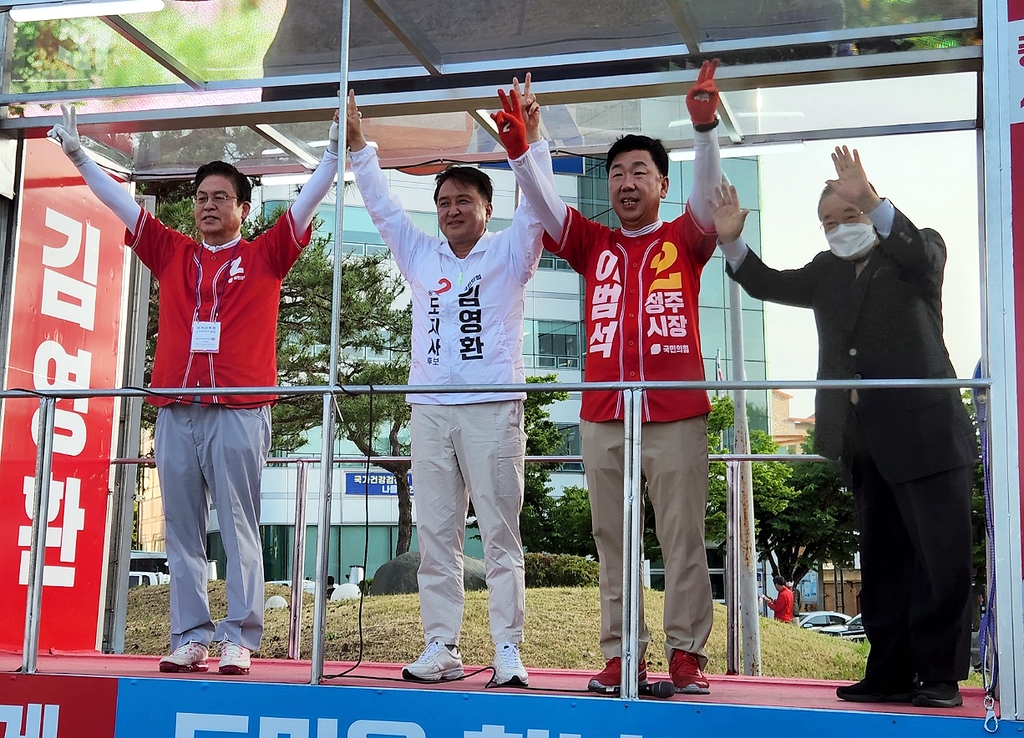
(206, 336)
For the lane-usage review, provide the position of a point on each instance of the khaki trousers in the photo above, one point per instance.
(674, 460)
(461, 452)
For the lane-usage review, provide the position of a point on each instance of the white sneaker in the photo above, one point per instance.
(187, 657)
(508, 666)
(437, 663)
(234, 659)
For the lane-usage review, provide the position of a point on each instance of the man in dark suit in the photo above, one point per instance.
(908, 453)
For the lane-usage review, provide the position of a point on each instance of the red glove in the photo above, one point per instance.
(702, 99)
(511, 126)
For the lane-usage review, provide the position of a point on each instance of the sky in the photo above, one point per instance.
(931, 178)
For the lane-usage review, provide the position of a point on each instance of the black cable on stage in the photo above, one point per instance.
(366, 532)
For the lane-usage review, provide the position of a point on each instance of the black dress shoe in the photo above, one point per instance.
(938, 694)
(865, 691)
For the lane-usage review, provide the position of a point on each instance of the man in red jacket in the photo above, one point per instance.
(782, 605)
(642, 281)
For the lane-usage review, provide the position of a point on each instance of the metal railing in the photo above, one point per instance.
(632, 426)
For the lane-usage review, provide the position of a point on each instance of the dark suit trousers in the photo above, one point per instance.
(915, 543)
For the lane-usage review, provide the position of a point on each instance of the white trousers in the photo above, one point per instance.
(205, 452)
(463, 452)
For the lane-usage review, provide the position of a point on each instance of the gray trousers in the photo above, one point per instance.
(458, 452)
(218, 453)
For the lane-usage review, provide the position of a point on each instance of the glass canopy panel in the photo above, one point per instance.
(77, 54)
(580, 128)
(751, 19)
(480, 31)
(267, 38)
(863, 103)
(252, 40)
(218, 39)
(406, 141)
(180, 153)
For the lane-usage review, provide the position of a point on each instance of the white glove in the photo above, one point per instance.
(66, 133)
(332, 144)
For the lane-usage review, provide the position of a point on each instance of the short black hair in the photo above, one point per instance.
(633, 142)
(779, 581)
(243, 187)
(468, 177)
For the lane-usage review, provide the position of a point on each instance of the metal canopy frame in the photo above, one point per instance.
(461, 86)
(435, 85)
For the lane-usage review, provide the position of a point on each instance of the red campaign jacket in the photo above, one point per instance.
(239, 286)
(641, 312)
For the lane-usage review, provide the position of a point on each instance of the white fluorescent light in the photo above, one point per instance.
(284, 179)
(296, 179)
(733, 152)
(58, 11)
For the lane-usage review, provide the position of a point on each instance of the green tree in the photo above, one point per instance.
(979, 532)
(374, 342)
(803, 513)
(571, 527)
(818, 524)
(542, 439)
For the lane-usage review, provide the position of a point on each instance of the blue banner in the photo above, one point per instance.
(186, 708)
(381, 483)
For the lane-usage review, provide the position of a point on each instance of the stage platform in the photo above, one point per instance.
(97, 695)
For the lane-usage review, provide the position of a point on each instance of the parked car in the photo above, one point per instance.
(822, 618)
(853, 630)
(146, 578)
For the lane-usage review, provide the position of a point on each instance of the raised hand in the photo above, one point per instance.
(729, 216)
(510, 122)
(66, 133)
(531, 109)
(851, 182)
(702, 99)
(354, 124)
(332, 136)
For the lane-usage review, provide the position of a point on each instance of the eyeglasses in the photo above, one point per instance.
(219, 198)
(830, 225)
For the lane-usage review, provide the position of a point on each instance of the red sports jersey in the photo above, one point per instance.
(239, 286)
(641, 312)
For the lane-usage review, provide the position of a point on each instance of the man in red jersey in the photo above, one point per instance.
(217, 328)
(641, 319)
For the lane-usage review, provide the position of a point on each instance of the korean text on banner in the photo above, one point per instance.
(65, 320)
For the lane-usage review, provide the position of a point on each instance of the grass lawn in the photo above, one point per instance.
(561, 632)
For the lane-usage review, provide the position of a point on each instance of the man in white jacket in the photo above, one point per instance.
(468, 295)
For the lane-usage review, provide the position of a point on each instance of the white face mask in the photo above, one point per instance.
(851, 241)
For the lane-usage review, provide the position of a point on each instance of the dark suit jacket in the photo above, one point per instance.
(885, 323)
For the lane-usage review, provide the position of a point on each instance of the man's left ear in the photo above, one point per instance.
(489, 209)
(664, 187)
(246, 207)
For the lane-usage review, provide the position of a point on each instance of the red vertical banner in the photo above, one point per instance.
(1015, 16)
(65, 319)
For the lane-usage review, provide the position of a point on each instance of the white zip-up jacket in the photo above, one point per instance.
(467, 314)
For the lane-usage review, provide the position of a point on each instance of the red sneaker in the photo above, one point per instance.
(686, 674)
(607, 682)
